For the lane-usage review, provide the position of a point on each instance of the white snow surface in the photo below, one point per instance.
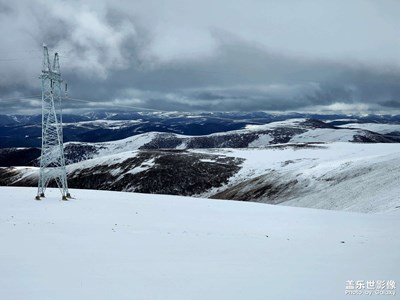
(339, 176)
(143, 167)
(110, 245)
(109, 124)
(380, 128)
(120, 146)
(128, 144)
(325, 135)
(336, 176)
(272, 125)
(262, 141)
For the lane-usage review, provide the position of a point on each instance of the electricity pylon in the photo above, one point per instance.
(52, 162)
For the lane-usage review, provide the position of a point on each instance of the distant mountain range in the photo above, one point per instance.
(292, 131)
(25, 131)
(340, 163)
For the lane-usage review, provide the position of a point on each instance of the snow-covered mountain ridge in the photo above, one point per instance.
(253, 136)
(340, 176)
(299, 162)
(287, 131)
(25, 131)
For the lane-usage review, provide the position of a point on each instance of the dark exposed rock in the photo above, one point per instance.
(14, 177)
(372, 137)
(175, 172)
(269, 188)
(283, 135)
(227, 140)
(163, 141)
(222, 141)
(181, 173)
(314, 123)
(75, 152)
(19, 157)
(299, 146)
(7, 176)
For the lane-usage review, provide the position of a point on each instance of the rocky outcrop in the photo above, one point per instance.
(19, 157)
(174, 172)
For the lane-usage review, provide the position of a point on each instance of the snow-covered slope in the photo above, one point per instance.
(375, 127)
(253, 136)
(174, 172)
(339, 176)
(78, 151)
(108, 245)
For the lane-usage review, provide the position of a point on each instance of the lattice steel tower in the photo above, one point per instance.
(52, 162)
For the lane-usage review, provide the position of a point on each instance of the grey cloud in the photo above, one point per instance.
(395, 104)
(241, 78)
(139, 53)
(250, 78)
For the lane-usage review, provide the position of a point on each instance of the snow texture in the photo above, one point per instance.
(339, 176)
(380, 128)
(110, 245)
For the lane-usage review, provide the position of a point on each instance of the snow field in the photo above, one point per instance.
(110, 245)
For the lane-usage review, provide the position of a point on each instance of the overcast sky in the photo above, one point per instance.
(206, 55)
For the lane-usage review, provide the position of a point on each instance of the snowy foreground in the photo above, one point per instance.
(110, 245)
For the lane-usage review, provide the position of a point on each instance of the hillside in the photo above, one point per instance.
(296, 162)
(252, 136)
(341, 176)
(25, 130)
(108, 245)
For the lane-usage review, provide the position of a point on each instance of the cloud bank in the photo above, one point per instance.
(206, 55)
